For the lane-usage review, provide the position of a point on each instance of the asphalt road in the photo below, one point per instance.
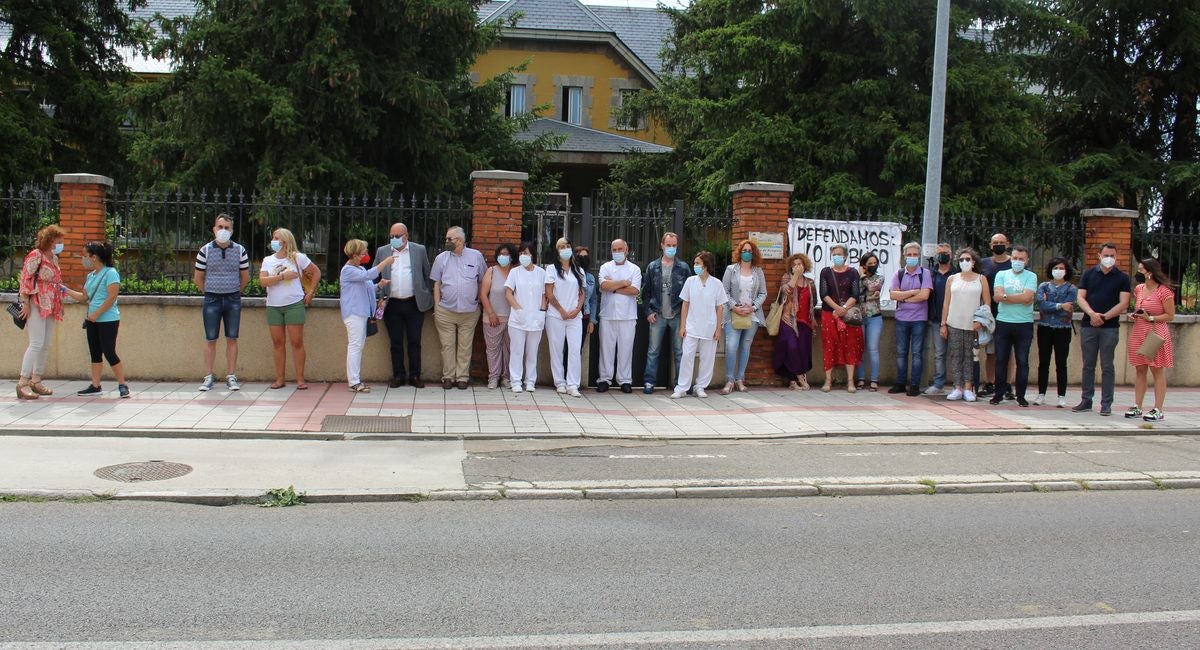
(1080, 570)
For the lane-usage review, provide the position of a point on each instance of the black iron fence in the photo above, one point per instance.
(1177, 247)
(23, 211)
(157, 234)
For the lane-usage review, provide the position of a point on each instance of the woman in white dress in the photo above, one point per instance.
(704, 301)
(564, 318)
(525, 291)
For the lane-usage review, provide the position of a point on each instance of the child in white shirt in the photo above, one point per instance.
(704, 299)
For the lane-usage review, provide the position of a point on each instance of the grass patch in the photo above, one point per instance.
(930, 485)
(91, 498)
(17, 498)
(413, 498)
(1038, 487)
(283, 498)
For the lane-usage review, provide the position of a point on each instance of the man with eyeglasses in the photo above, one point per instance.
(457, 275)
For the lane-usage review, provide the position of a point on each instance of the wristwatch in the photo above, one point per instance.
(1151, 318)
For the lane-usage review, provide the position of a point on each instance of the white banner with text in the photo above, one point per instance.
(813, 237)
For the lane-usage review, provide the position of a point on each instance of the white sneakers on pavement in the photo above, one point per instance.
(1040, 399)
(934, 390)
(955, 395)
(1062, 401)
(574, 392)
(968, 396)
(678, 394)
(207, 384)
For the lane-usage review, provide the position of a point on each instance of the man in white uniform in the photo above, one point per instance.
(620, 284)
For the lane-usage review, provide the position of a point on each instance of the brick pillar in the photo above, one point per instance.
(1105, 225)
(762, 207)
(497, 207)
(81, 213)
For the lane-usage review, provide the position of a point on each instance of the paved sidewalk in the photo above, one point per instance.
(173, 409)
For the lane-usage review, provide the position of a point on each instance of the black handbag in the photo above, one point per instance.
(372, 327)
(14, 310)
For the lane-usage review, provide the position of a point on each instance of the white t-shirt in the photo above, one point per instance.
(703, 300)
(528, 287)
(291, 291)
(566, 291)
(613, 305)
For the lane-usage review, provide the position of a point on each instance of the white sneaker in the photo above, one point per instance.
(517, 388)
(934, 390)
(1040, 399)
(955, 395)
(561, 390)
(700, 392)
(207, 384)
(574, 392)
(678, 394)
(529, 386)
(968, 396)
(231, 382)
(492, 383)
(1062, 402)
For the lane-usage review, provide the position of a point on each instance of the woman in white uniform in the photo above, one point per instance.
(525, 291)
(704, 301)
(564, 317)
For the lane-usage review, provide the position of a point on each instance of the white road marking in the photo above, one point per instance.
(665, 456)
(861, 454)
(650, 638)
(1086, 451)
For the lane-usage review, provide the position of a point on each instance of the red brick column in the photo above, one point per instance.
(81, 213)
(1109, 225)
(762, 207)
(497, 205)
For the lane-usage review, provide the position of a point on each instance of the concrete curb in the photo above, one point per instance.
(227, 434)
(744, 491)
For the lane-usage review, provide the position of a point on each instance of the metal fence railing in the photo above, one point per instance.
(1177, 247)
(157, 234)
(23, 211)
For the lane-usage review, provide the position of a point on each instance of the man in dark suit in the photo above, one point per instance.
(408, 298)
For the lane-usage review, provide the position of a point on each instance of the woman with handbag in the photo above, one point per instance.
(100, 291)
(841, 318)
(286, 300)
(793, 348)
(870, 288)
(495, 315)
(1150, 339)
(356, 294)
(746, 286)
(39, 308)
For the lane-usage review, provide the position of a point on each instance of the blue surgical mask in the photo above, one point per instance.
(1018, 266)
(276, 245)
(58, 248)
(618, 257)
(87, 263)
(747, 256)
(670, 251)
(698, 269)
(397, 242)
(912, 261)
(526, 260)
(564, 254)
(838, 260)
(503, 260)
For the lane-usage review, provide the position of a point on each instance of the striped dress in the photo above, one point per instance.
(1153, 304)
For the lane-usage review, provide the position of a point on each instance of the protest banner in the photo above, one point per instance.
(813, 237)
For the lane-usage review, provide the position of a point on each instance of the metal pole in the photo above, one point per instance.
(937, 119)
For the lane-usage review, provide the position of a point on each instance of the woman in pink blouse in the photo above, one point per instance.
(41, 307)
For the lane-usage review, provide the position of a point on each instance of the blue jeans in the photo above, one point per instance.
(910, 338)
(737, 351)
(222, 309)
(669, 327)
(939, 355)
(872, 330)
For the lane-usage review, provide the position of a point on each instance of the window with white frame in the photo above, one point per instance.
(633, 121)
(572, 105)
(516, 100)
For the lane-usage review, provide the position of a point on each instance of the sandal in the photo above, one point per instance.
(793, 385)
(874, 387)
(301, 386)
(360, 388)
(277, 386)
(727, 389)
(804, 384)
(860, 384)
(826, 387)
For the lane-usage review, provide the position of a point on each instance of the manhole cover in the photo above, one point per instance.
(153, 470)
(367, 424)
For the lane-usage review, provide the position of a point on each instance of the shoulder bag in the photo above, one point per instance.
(776, 313)
(14, 308)
(854, 314)
(736, 320)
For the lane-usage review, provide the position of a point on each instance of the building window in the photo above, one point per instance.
(629, 122)
(572, 105)
(515, 104)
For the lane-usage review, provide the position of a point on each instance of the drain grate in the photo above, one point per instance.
(153, 470)
(367, 424)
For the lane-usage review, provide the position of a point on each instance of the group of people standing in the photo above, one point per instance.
(978, 313)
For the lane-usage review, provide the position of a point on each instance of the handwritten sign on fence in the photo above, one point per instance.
(813, 237)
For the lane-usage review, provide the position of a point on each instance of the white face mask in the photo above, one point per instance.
(1058, 274)
(966, 266)
(223, 236)
(1108, 261)
(526, 260)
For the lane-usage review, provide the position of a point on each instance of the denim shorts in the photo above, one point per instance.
(220, 307)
